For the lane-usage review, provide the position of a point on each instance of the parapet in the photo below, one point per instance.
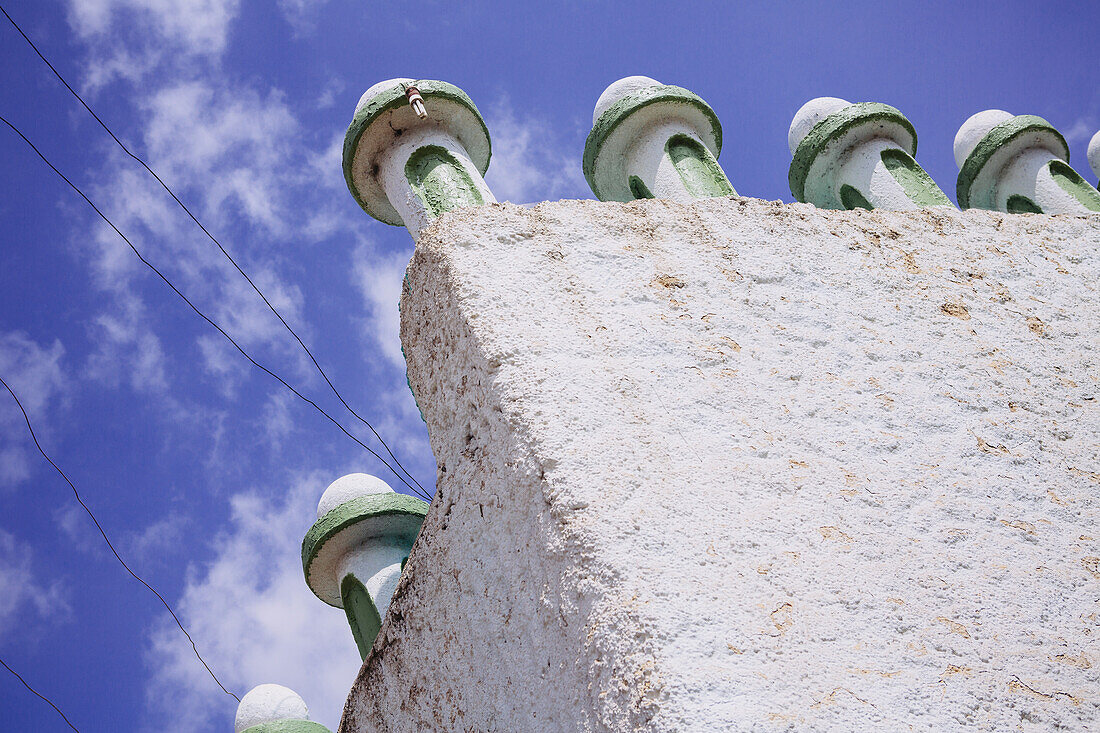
(730, 464)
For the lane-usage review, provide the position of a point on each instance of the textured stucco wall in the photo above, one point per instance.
(740, 465)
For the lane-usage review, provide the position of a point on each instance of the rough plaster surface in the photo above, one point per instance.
(739, 465)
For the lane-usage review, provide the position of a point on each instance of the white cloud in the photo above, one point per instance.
(223, 363)
(300, 13)
(21, 592)
(233, 146)
(237, 155)
(1082, 130)
(201, 26)
(34, 374)
(156, 540)
(332, 89)
(79, 529)
(531, 160)
(378, 278)
(232, 154)
(127, 349)
(276, 422)
(160, 31)
(254, 620)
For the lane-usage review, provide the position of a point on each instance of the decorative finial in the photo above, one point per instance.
(651, 140)
(848, 156)
(353, 555)
(415, 150)
(1094, 154)
(1018, 164)
(274, 709)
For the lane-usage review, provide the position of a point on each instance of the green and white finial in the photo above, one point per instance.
(1018, 164)
(848, 156)
(651, 140)
(353, 555)
(1094, 155)
(415, 150)
(274, 709)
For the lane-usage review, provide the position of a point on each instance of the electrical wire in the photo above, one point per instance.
(47, 700)
(103, 534)
(219, 245)
(415, 489)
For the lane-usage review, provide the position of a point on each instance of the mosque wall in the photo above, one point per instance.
(733, 464)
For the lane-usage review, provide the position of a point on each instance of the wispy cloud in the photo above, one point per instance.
(230, 145)
(532, 161)
(276, 423)
(1082, 130)
(128, 351)
(34, 373)
(232, 154)
(255, 621)
(300, 13)
(157, 540)
(22, 594)
(157, 31)
(238, 154)
(378, 279)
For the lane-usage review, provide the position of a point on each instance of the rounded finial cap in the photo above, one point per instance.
(617, 90)
(350, 487)
(380, 87)
(269, 704)
(973, 130)
(1094, 153)
(809, 115)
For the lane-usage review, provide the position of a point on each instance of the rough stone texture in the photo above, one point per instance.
(740, 465)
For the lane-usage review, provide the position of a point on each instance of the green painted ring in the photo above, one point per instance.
(288, 726)
(1001, 135)
(392, 99)
(614, 115)
(831, 128)
(347, 515)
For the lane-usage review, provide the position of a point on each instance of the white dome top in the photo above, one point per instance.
(269, 704)
(973, 130)
(1094, 153)
(350, 487)
(809, 115)
(617, 90)
(378, 88)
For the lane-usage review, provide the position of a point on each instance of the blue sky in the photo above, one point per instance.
(205, 471)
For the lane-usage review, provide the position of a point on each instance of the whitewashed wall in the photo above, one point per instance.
(738, 465)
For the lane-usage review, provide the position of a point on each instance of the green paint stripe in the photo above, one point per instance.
(363, 616)
(440, 181)
(918, 185)
(288, 726)
(1072, 183)
(617, 113)
(638, 189)
(1020, 204)
(352, 512)
(697, 168)
(851, 198)
(393, 99)
(834, 126)
(1000, 135)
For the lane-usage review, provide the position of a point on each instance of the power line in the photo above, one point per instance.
(219, 245)
(102, 533)
(416, 489)
(36, 692)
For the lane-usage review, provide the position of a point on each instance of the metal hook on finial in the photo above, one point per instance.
(416, 101)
